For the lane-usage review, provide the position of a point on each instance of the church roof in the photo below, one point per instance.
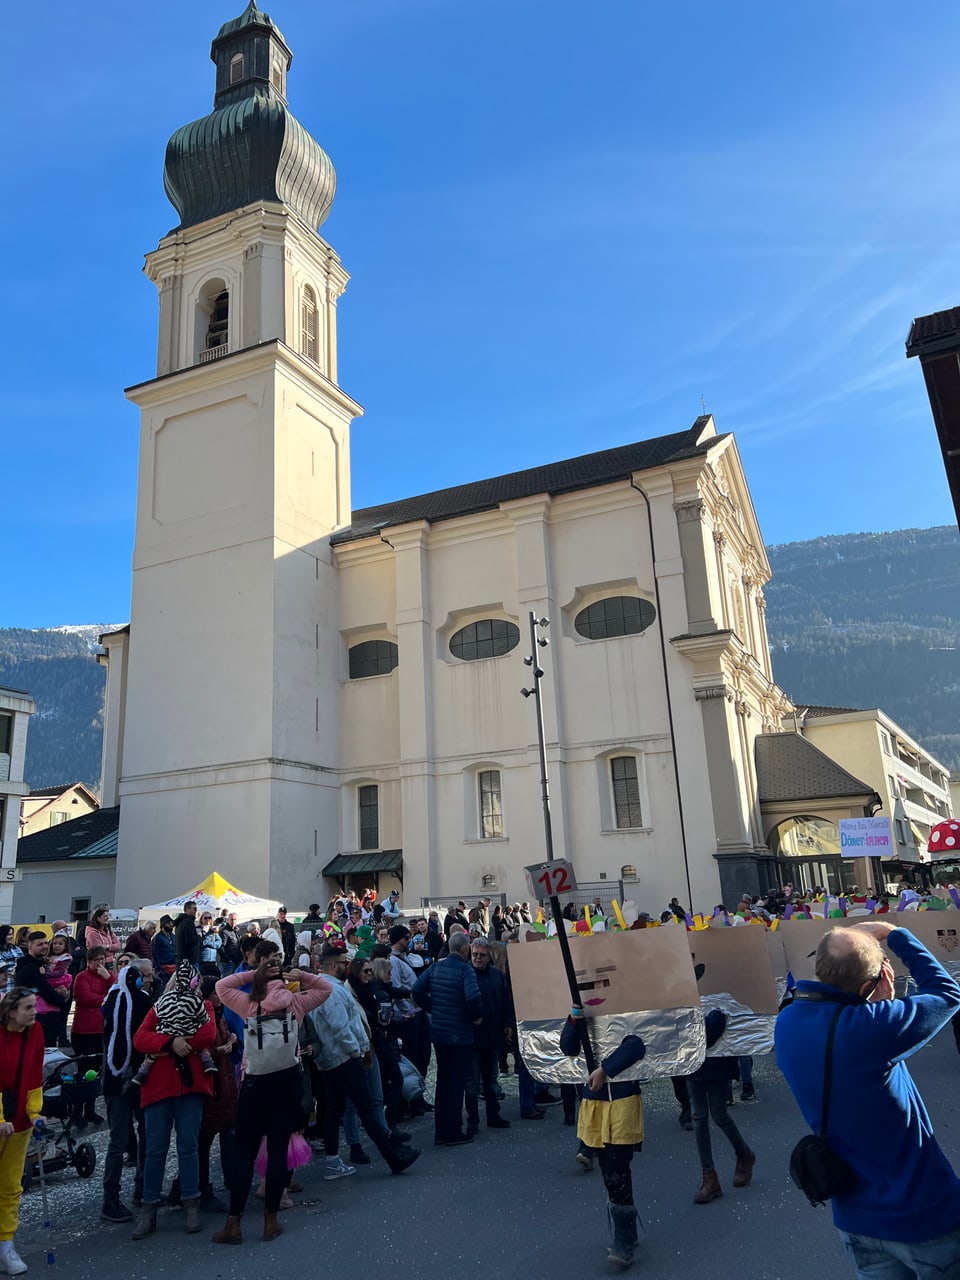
(584, 472)
(92, 836)
(791, 768)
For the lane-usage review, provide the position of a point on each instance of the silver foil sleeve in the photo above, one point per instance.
(675, 1041)
(746, 1034)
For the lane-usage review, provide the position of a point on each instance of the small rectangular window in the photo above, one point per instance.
(626, 791)
(368, 800)
(885, 742)
(491, 805)
(79, 910)
(901, 837)
(6, 732)
(893, 784)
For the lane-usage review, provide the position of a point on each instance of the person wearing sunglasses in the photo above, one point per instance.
(21, 1103)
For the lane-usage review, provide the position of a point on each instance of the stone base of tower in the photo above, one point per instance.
(268, 827)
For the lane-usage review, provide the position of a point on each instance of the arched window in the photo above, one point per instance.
(236, 68)
(372, 658)
(489, 638)
(309, 345)
(615, 616)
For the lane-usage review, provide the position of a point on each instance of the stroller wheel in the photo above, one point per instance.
(85, 1160)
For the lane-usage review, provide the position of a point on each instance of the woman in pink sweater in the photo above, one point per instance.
(270, 1096)
(99, 934)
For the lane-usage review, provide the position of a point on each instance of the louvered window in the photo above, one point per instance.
(309, 346)
(236, 68)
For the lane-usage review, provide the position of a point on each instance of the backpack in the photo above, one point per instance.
(270, 1042)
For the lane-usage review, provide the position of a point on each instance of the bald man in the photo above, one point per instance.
(902, 1218)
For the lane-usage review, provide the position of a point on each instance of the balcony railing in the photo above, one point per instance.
(213, 353)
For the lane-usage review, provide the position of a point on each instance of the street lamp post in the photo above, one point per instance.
(539, 641)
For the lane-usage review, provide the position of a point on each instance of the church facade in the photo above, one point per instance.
(311, 696)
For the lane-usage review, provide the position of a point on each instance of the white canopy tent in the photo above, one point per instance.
(215, 894)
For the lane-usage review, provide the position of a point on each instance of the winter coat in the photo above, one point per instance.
(138, 944)
(187, 938)
(220, 1109)
(105, 938)
(164, 951)
(88, 992)
(497, 1012)
(341, 1028)
(449, 992)
(165, 1079)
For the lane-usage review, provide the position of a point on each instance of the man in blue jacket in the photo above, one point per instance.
(448, 991)
(902, 1218)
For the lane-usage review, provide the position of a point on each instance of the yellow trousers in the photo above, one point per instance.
(13, 1154)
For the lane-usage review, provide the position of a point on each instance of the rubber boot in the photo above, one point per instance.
(191, 1216)
(271, 1226)
(623, 1229)
(146, 1222)
(709, 1188)
(231, 1233)
(744, 1169)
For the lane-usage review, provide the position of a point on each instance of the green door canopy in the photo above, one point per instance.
(357, 864)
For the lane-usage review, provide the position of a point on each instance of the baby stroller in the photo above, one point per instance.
(64, 1095)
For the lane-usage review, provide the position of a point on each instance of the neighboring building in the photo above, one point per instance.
(67, 869)
(913, 786)
(936, 340)
(16, 708)
(50, 806)
(308, 693)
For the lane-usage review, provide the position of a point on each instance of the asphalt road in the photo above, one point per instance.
(514, 1205)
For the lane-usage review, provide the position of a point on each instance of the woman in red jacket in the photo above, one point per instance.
(173, 1093)
(21, 1099)
(86, 1035)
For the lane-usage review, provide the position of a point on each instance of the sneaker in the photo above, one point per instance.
(405, 1160)
(748, 1093)
(10, 1260)
(459, 1141)
(358, 1155)
(585, 1160)
(116, 1212)
(335, 1168)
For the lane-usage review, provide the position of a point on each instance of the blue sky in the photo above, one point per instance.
(565, 223)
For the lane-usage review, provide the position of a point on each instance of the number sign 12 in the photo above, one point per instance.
(548, 879)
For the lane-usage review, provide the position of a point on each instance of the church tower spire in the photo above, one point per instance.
(231, 733)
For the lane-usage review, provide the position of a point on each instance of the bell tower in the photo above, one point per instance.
(230, 735)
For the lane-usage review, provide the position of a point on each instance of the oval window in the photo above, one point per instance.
(615, 616)
(372, 658)
(489, 638)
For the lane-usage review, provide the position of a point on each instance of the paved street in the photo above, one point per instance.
(514, 1205)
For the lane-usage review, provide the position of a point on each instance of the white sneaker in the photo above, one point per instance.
(337, 1169)
(10, 1260)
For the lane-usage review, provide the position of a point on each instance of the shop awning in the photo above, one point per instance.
(358, 864)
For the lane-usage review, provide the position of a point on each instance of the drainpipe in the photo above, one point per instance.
(666, 686)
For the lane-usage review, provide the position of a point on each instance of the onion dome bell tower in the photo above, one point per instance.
(232, 684)
(259, 150)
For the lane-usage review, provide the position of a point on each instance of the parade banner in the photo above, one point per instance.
(616, 973)
(801, 937)
(639, 983)
(736, 962)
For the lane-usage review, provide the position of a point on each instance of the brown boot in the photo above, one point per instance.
(191, 1216)
(709, 1188)
(744, 1170)
(146, 1222)
(271, 1226)
(231, 1233)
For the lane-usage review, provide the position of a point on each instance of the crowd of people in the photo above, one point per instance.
(280, 1042)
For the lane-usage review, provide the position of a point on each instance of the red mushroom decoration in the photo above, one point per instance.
(945, 838)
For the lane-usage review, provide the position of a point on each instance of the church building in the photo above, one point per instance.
(310, 696)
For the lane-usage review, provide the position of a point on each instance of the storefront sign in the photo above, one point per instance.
(865, 838)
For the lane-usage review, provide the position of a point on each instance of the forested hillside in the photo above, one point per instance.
(873, 619)
(58, 668)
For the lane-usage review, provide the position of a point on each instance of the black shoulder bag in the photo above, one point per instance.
(814, 1166)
